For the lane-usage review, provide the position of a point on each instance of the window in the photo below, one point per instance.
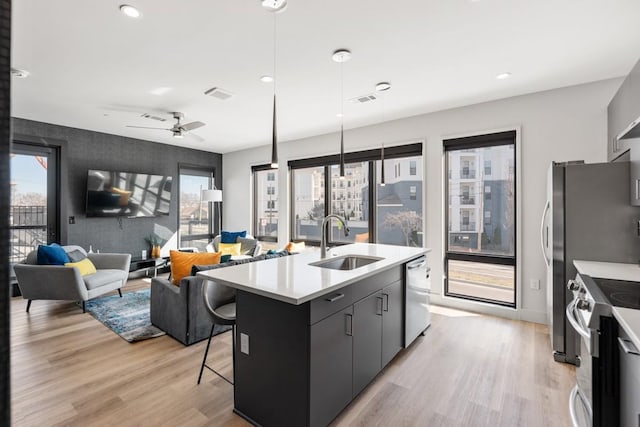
(412, 167)
(399, 206)
(391, 214)
(308, 208)
(195, 216)
(480, 253)
(265, 212)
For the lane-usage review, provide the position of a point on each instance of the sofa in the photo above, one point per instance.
(180, 311)
(249, 245)
(58, 282)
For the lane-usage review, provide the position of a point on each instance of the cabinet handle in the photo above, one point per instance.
(385, 302)
(379, 306)
(628, 346)
(637, 189)
(348, 324)
(335, 298)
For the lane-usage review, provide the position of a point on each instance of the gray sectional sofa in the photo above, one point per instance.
(180, 311)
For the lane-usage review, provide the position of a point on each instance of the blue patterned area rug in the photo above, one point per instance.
(127, 316)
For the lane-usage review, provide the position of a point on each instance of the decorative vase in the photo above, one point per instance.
(155, 252)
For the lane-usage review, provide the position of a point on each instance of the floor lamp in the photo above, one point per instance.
(214, 196)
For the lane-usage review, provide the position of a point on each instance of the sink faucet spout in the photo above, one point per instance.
(323, 234)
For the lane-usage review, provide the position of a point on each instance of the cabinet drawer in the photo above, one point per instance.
(333, 302)
(372, 284)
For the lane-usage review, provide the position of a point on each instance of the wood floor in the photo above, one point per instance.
(469, 370)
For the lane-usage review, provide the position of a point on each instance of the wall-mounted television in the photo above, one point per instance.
(127, 194)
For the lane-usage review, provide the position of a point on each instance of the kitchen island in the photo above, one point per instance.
(311, 337)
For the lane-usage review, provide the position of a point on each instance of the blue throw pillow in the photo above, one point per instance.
(52, 254)
(231, 236)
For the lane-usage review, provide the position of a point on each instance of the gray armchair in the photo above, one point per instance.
(57, 282)
(249, 245)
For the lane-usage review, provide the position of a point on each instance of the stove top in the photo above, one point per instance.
(620, 293)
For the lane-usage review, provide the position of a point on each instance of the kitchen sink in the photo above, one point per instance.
(346, 262)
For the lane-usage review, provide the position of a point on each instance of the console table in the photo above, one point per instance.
(148, 264)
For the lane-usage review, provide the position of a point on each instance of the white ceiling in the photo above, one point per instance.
(93, 68)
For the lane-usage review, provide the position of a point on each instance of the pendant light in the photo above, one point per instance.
(274, 6)
(341, 56)
(382, 87)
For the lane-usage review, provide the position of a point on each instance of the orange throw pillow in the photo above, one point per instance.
(181, 263)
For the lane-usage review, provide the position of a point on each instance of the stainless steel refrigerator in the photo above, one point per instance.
(588, 216)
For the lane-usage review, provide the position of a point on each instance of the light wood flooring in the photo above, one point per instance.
(469, 370)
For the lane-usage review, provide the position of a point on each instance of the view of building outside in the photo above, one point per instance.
(348, 197)
(481, 220)
(195, 223)
(399, 202)
(266, 199)
(308, 202)
(28, 212)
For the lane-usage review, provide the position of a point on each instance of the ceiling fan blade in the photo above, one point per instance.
(191, 126)
(196, 137)
(146, 127)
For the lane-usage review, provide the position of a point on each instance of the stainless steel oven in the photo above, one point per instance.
(594, 399)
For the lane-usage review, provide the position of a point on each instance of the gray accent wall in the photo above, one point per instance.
(83, 150)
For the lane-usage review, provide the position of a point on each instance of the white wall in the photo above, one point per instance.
(562, 124)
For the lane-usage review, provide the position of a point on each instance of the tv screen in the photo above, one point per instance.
(127, 194)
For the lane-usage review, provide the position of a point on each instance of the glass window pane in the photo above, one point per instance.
(308, 202)
(399, 202)
(349, 199)
(471, 230)
(266, 207)
(28, 213)
(481, 280)
(194, 214)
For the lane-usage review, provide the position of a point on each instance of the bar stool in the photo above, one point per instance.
(220, 303)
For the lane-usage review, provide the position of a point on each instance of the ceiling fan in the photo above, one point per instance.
(178, 130)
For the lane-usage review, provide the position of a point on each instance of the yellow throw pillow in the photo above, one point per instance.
(85, 266)
(295, 247)
(181, 263)
(230, 248)
(124, 196)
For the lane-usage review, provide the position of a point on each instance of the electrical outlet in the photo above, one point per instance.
(72, 220)
(244, 343)
(535, 284)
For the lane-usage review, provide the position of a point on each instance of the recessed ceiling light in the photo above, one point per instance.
(130, 11)
(160, 90)
(382, 86)
(339, 115)
(503, 76)
(21, 74)
(341, 55)
(266, 79)
(274, 5)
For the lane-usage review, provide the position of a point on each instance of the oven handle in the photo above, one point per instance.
(571, 310)
(573, 398)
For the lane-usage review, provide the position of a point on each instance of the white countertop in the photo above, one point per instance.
(609, 270)
(291, 279)
(629, 319)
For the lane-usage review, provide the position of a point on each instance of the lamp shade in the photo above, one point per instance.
(211, 195)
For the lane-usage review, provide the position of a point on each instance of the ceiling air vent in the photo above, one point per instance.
(363, 98)
(219, 93)
(152, 117)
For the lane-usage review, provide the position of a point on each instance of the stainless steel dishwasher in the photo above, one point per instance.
(417, 299)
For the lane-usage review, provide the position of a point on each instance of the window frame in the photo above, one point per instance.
(210, 173)
(254, 198)
(474, 142)
(370, 156)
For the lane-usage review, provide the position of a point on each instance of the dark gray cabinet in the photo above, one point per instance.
(629, 382)
(367, 340)
(330, 367)
(622, 113)
(392, 321)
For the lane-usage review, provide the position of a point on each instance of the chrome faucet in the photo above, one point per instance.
(323, 238)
